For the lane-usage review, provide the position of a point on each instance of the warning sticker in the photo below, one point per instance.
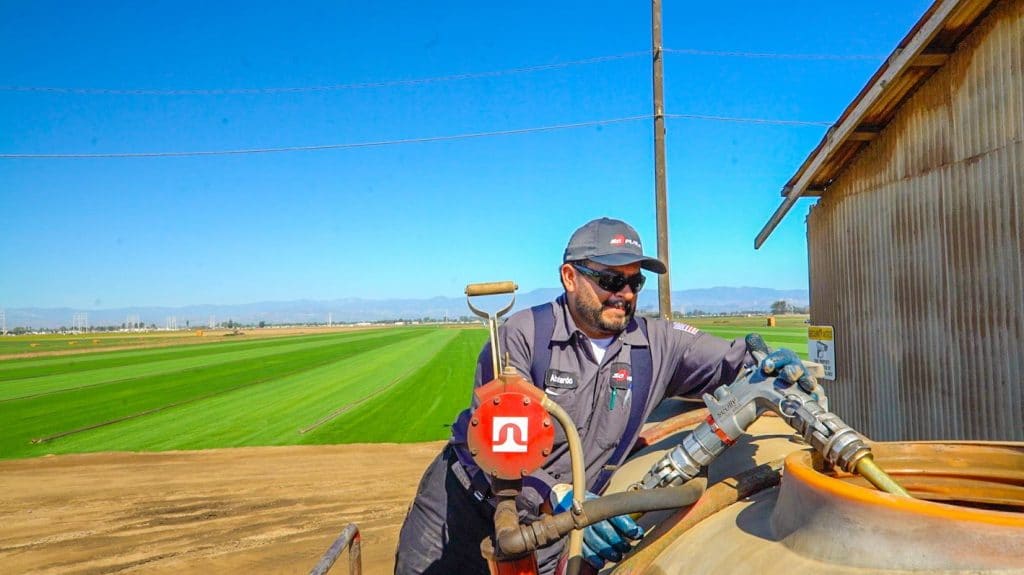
(821, 348)
(819, 332)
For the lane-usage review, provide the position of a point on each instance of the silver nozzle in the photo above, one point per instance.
(836, 441)
(685, 461)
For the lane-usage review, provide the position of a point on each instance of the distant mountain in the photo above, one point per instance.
(349, 310)
(728, 299)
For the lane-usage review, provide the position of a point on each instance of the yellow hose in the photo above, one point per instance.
(868, 469)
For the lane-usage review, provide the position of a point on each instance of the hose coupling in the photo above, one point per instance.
(837, 442)
(685, 460)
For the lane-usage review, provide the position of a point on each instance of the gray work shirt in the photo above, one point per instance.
(685, 362)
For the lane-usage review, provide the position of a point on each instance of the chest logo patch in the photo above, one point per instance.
(621, 375)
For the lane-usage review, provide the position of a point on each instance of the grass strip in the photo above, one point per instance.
(789, 338)
(11, 369)
(41, 386)
(49, 415)
(421, 407)
(332, 415)
(49, 438)
(264, 414)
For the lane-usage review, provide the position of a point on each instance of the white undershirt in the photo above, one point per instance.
(599, 346)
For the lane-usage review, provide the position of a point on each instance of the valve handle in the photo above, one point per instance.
(492, 288)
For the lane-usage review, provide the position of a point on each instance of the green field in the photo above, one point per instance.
(790, 331)
(233, 393)
(381, 385)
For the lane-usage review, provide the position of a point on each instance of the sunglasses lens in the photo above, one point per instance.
(613, 282)
(637, 282)
(634, 282)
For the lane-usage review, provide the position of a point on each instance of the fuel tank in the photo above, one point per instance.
(966, 514)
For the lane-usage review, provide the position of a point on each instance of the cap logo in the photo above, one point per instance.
(621, 240)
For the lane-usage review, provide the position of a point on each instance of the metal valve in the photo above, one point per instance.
(735, 407)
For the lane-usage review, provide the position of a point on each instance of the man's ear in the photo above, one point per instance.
(568, 278)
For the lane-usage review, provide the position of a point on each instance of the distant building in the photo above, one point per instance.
(916, 244)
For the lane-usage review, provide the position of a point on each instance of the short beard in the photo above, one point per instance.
(591, 313)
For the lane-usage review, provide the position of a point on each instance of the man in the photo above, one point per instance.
(586, 350)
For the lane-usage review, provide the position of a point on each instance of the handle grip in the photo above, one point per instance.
(491, 288)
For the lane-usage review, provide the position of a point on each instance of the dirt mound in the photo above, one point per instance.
(252, 510)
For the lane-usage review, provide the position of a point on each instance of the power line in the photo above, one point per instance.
(334, 146)
(428, 80)
(327, 88)
(378, 143)
(747, 120)
(770, 55)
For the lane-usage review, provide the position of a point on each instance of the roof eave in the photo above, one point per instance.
(850, 127)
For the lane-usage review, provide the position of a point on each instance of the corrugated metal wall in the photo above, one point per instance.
(917, 254)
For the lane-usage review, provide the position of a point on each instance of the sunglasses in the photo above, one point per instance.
(612, 282)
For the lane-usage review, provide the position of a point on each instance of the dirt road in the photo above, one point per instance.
(248, 510)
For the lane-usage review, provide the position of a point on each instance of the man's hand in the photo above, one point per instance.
(781, 363)
(603, 541)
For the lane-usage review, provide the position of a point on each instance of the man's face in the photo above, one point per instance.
(597, 312)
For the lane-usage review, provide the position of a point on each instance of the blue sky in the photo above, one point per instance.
(410, 220)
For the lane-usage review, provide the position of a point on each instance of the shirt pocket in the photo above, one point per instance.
(611, 423)
(568, 400)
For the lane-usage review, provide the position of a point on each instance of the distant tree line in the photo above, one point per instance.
(235, 325)
(780, 307)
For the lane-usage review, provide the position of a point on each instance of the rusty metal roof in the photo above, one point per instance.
(922, 51)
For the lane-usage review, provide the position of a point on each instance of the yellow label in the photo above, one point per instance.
(819, 332)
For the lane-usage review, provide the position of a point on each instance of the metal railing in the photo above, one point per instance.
(349, 539)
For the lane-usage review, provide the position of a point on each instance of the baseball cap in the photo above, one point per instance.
(610, 242)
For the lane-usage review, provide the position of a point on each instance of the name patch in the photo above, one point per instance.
(561, 379)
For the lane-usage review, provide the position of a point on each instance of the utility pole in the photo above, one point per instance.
(80, 322)
(660, 193)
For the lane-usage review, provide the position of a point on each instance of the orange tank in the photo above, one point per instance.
(967, 514)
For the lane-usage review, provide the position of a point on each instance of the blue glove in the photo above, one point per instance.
(603, 541)
(782, 363)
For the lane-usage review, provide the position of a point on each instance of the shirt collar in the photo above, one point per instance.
(564, 324)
